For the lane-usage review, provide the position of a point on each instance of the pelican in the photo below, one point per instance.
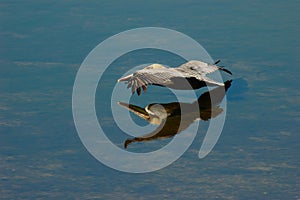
(173, 118)
(190, 75)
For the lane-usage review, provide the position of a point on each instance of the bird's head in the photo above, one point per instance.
(156, 113)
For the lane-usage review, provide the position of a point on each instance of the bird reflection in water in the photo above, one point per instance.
(172, 118)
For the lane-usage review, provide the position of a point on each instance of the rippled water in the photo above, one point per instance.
(42, 46)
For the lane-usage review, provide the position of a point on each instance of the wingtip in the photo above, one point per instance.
(126, 78)
(225, 70)
(127, 142)
(217, 62)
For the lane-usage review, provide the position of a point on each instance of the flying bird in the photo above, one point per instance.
(190, 75)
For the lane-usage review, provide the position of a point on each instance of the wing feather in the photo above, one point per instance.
(140, 79)
(201, 68)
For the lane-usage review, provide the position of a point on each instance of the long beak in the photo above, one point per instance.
(126, 78)
(141, 112)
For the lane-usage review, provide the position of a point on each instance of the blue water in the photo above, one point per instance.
(42, 45)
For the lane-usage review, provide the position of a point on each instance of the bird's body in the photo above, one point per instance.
(190, 75)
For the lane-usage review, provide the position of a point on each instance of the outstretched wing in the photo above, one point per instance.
(140, 79)
(194, 71)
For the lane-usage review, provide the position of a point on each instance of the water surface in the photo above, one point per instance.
(42, 46)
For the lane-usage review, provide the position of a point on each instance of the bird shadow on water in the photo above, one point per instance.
(174, 117)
